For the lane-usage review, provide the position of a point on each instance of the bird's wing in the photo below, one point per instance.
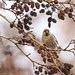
(58, 46)
(55, 39)
(51, 42)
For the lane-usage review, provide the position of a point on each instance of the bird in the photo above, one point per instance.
(49, 40)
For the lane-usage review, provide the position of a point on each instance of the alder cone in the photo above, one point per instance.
(26, 8)
(37, 5)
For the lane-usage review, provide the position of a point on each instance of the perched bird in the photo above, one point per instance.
(49, 40)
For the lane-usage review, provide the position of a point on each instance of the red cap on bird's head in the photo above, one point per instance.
(46, 30)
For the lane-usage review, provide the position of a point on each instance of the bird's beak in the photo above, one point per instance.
(46, 33)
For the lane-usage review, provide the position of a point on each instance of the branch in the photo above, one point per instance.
(24, 53)
(48, 50)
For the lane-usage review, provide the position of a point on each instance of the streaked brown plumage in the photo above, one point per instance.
(49, 39)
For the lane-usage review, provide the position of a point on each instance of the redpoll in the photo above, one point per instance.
(49, 40)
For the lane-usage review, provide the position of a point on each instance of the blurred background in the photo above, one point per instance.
(13, 62)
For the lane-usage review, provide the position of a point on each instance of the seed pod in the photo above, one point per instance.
(66, 10)
(15, 4)
(53, 9)
(28, 41)
(20, 7)
(25, 1)
(54, 70)
(39, 51)
(43, 5)
(20, 26)
(34, 14)
(20, 42)
(48, 55)
(62, 12)
(11, 25)
(49, 12)
(31, 13)
(49, 73)
(24, 40)
(29, 18)
(42, 55)
(55, 54)
(37, 5)
(54, 20)
(61, 16)
(40, 69)
(65, 71)
(26, 20)
(19, 22)
(40, 1)
(20, 31)
(50, 60)
(42, 11)
(71, 10)
(18, 12)
(42, 47)
(70, 15)
(44, 60)
(29, 3)
(26, 27)
(12, 7)
(30, 23)
(49, 19)
(26, 8)
(36, 67)
(49, 67)
(55, 1)
(32, 44)
(45, 72)
(26, 15)
(69, 66)
(49, 24)
(47, 5)
(32, 4)
(37, 72)
(17, 1)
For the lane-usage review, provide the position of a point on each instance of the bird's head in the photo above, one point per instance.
(46, 32)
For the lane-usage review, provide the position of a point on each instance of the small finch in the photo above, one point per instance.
(49, 40)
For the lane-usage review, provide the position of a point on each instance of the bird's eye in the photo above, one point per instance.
(47, 30)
